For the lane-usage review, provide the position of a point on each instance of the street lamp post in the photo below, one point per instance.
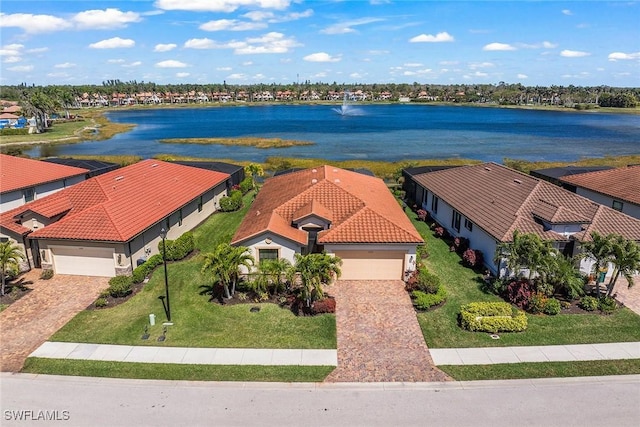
(167, 307)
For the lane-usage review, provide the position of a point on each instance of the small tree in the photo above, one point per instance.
(524, 251)
(254, 170)
(316, 270)
(601, 249)
(10, 256)
(626, 260)
(223, 265)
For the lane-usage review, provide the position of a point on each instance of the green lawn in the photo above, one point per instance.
(441, 330)
(506, 371)
(176, 372)
(198, 322)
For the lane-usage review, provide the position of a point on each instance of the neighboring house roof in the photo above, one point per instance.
(213, 166)
(8, 116)
(620, 183)
(501, 200)
(118, 205)
(17, 173)
(94, 167)
(559, 172)
(361, 209)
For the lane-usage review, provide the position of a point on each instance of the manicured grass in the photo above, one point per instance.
(440, 326)
(247, 142)
(198, 322)
(157, 371)
(615, 162)
(542, 370)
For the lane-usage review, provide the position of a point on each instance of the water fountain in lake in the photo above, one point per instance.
(347, 109)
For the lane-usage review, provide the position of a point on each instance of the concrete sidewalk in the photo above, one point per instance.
(189, 356)
(549, 353)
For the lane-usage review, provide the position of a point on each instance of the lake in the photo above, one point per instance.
(372, 132)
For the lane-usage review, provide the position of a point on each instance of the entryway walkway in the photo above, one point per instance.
(379, 338)
(31, 320)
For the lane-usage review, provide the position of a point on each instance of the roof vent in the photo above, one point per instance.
(314, 170)
(517, 181)
(313, 181)
(487, 168)
(335, 171)
(119, 178)
(257, 213)
(337, 181)
(154, 165)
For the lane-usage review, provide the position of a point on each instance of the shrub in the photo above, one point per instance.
(428, 282)
(440, 232)
(143, 270)
(231, 203)
(100, 302)
(246, 185)
(120, 286)
(325, 305)
(552, 307)
(537, 303)
(588, 303)
(422, 214)
(607, 305)
(177, 249)
(421, 252)
(460, 244)
(46, 274)
(519, 292)
(492, 317)
(423, 300)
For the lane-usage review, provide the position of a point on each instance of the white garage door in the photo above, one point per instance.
(84, 261)
(371, 265)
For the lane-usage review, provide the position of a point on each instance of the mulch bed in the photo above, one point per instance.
(112, 302)
(14, 290)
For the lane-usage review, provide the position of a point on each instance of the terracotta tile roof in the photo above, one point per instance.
(17, 172)
(360, 208)
(500, 200)
(621, 183)
(118, 205)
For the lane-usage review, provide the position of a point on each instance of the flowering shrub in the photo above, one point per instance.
(537, 303)
(519, 292)
(460, 244)
(440, 231)
(422, 214)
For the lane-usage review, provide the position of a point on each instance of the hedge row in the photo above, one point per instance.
(179, 248)
(231, 203)
(423, 300)
(12, 131)
(492, 317)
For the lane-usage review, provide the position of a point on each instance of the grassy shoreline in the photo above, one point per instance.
(240, 141)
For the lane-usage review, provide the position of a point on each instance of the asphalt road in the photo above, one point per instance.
(75, 401)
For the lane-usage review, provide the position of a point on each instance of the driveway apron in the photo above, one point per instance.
(379, 338)
(31, 320)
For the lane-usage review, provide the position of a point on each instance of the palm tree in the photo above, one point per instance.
(316, 270)
(10, 256)
(274, 270)
(626, 261)
(223, 265)
(600, 249)
(524, 251)
(253, 170)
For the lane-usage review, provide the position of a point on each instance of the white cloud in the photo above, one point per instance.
(477, 65)
(522, 76)
(21, 68)
(321, 57)
(498, 46)
(428, 38)
(113, 43)
(566, 12)
(223, 69)
(133, 64)
(269, 43)
(412, 64)
(33, 24)
(418, 72)
(11, 50)
(247, 63)
(549, 45)
(11, 59)
(231, 25)
(115, 61)
(356, 75)
(105, 19)
(545, 45)
(573, 53)
(448, 62)
(182, 75)
(258, 15)
(320, 75)
(220, 5)
(164, 47)
(614, 56)
(65, 65)
(346, 27)
(170, 63)
(237, 76)
(204, 43)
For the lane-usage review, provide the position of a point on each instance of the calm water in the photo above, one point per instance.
(376, 132)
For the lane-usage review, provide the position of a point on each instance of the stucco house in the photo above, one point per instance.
(344, 213)
(105, 225)
(485, 203)
(24, 180)
(617, 188)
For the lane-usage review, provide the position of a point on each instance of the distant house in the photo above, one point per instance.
(486, 203)
(350, 215)
(555, 175)
(617, 188)
(93, 167)
(235, 172)
(23, 180)
(105, 225)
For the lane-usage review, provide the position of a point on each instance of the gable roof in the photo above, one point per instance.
(620, 183)
(17, 173)
(500, 200)
(360, 208)
(118, 205)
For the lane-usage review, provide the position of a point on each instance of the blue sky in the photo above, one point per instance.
(284, 41)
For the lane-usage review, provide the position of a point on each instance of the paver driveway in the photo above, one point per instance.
(630, 297)
(379, 338)
(28, 322)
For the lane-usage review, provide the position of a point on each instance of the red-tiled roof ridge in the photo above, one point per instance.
(313, 208)
(17, 173)
(621, 183)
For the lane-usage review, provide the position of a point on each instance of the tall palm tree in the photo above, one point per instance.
(223, 264)
(275, 270)
(10, 256)
(626, 261)
(600, 249)
(526, 250)
(316, 270)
